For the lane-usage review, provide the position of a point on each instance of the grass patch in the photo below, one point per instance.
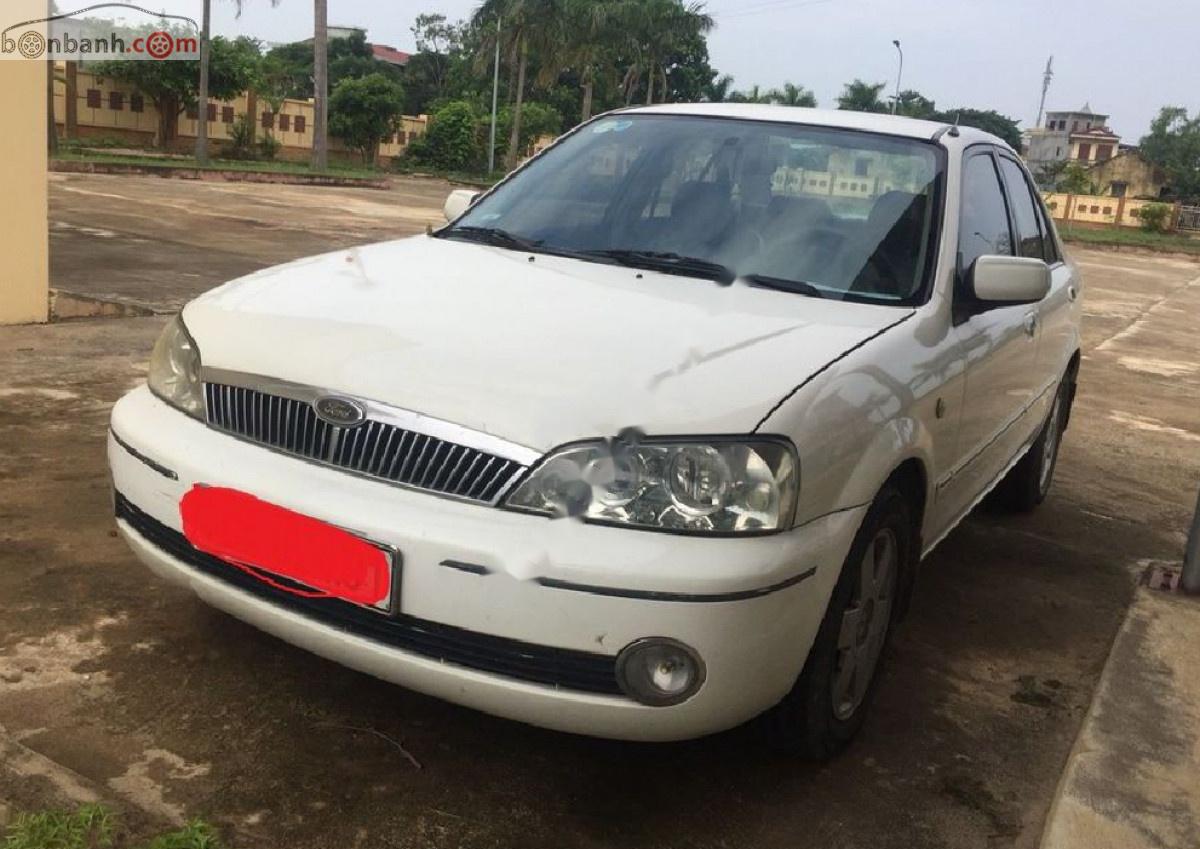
(95, 827)
(1130, 237)
(90, 827)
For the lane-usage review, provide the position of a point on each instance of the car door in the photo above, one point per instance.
(999, 343)
(1033, 239)
(1057, 339)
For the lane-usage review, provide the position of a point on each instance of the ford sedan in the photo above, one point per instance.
(646, 442)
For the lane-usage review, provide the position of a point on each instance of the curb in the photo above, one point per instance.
(71, 166)
(1130, 779)
(68, 306)
(1137, 250)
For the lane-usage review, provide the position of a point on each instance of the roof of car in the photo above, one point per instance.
(870, 122)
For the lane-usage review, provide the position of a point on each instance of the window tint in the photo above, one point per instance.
(984, 222)
(1029, 233)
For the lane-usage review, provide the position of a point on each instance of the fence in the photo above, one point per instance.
(1101, 209)
(86, 106)
(1189, 218)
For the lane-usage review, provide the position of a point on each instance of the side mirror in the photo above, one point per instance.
(998, 281)
(457, 203)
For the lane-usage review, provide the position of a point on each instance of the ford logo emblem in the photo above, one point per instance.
(339, 411)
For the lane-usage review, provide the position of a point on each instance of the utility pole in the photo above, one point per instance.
(495, 94)
(1046, 77)
(899, 74)
(202, 94)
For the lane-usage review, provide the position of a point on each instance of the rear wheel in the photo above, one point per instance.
(828, 703)
(1028, 482)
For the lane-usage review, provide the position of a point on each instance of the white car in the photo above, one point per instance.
(646, 442)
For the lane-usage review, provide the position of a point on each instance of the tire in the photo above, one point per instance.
(828, 703)
(1028, 482)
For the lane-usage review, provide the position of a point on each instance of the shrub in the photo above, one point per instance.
(268, 147)
(1155, 217)
(241, 138)
(450, 142)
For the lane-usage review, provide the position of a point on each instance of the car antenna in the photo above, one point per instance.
(954, 129)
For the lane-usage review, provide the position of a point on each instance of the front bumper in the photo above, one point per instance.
(749, 607)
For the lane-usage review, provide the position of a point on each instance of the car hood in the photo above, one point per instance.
(535, 349)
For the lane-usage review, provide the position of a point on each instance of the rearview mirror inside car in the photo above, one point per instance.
(1004, 280)
(457, 203)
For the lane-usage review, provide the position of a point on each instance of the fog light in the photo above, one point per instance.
(659, 671)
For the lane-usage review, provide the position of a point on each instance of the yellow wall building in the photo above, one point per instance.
(24, 239)
(112, 110)
(1097, 209)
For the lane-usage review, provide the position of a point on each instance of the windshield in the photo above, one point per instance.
(823, 212)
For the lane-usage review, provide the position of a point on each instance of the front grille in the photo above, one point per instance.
(560, 668)
(374, 448)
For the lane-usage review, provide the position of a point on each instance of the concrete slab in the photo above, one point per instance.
(177, 709)
(158, 243)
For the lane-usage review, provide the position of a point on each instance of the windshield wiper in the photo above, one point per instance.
(668, 263)
(783, 284)
(494, 236)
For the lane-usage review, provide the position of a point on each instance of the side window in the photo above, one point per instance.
(1029, 231)
(983, 224)
(1052, 255)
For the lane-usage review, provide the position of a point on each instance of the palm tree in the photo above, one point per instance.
(202, 89)
(753, 95)
(528, 24)
(792, 95)
(589, 32)
(859, 96)
(719, 90)
(320, 158)
(656, 29)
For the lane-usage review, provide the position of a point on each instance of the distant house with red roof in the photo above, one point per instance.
(389, 54)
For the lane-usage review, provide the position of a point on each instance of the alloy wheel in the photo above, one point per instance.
(865, 623)
(1050, 445)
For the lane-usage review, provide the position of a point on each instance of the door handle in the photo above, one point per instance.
(1031, 323)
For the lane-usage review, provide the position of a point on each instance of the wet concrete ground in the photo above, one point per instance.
(175, 710)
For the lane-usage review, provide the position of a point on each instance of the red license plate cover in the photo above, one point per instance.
(254, 535)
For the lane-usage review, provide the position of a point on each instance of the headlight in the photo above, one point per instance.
(175, 369)
(713, 485)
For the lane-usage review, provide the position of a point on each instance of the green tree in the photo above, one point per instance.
(792, 95)
(1173, 144)
(1075, 180)
(292, 65)
(173, 86)
(540, 119)
(657, 32)
(364, 110)
(719, 90)
(988, 120)
(528, 26)
(590, 35)
(913, 104)
(860, 96)
(754, 94)
(451, 142)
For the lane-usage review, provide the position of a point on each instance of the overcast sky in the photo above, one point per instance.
(1124, 57)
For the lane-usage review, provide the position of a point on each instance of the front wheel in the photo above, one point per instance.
(828, 703)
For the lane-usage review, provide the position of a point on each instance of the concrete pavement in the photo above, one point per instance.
(140, 694)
